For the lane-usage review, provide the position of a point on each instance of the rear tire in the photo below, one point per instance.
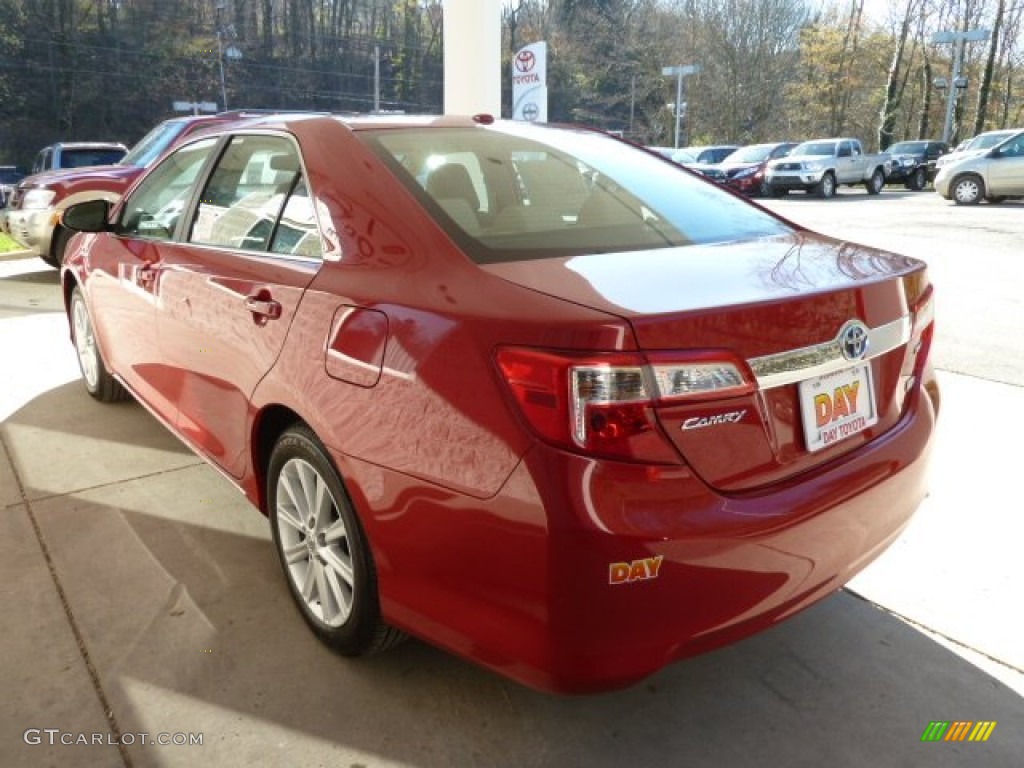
(98, 381)
(322, 548)
(825, 188)
(874, 184)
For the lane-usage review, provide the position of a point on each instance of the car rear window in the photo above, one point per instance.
(511, 193)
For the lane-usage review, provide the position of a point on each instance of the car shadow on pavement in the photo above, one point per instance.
(44, 276)
(64, 441)
(172, 583)
(30, 292)
(191, 629)
(852, 195)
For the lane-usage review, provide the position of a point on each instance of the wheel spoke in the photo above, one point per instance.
(308, 478)
(323, 504)
(336, 531)
(296, 553)
(309, 583)
(340, 594)
(321, 589)
(285, 483)
(285, 515)
(342, 566)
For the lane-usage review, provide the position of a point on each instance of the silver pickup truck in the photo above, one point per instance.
(820, 166)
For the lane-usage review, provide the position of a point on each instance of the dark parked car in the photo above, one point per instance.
(532, 394)
(913, 162)
(9, 177)
(704, 160)
(744, 169)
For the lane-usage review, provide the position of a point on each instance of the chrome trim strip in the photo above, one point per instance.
(818, 359)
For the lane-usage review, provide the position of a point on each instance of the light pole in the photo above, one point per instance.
(957, 82)
(220, 59)
(679, 73)
(232, 53)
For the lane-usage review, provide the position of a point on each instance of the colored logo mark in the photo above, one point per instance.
(958, 730)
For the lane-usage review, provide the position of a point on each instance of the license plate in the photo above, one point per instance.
(837, 405)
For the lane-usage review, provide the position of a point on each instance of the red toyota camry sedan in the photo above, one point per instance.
(531, 394)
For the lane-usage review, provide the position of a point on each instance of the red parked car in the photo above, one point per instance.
(744, 168)
(38, 201)
(528, 393)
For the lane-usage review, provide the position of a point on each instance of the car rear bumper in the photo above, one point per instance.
(584, 575)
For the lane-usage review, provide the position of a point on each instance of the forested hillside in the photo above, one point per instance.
(110, 69)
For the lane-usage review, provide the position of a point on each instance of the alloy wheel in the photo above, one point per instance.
(315, 543)
(85, 344)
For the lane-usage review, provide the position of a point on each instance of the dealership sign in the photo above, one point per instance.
(530, 83)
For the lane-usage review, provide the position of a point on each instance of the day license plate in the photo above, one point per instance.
(837, 405)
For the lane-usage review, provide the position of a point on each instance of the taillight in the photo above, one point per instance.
(603, 404)
(922, 330)
(924, 313)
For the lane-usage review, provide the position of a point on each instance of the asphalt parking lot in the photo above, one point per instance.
(142, 595)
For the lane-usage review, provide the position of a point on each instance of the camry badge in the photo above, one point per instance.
(731, 417)
(853, 340)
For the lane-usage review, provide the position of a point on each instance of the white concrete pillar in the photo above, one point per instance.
(472, 57)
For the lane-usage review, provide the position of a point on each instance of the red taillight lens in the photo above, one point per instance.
(539, 382)
(922, 330)
(603, 404)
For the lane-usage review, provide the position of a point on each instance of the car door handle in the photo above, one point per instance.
(145, 277)
(262, 305)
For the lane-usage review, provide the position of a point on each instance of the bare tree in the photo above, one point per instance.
(897, 78)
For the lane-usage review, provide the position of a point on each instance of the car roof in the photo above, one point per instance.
(87, 145)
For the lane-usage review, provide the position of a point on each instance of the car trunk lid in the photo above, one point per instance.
(782, 309)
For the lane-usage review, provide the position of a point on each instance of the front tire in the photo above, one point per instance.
(61, 237)
(322, 547)
(918, 180)
(98, 381)
(874, 184)
(967, 190)
(825, 188)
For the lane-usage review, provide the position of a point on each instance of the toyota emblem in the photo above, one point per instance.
(525, 61)
(853, 340)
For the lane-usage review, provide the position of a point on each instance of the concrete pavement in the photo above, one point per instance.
(141, 595)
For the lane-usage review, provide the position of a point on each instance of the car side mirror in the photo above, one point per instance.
(90, 216)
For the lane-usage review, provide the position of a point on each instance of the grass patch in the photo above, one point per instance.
(6, 244)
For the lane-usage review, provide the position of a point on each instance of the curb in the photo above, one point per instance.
(15, 255)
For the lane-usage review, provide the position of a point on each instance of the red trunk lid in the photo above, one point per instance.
(759, 303)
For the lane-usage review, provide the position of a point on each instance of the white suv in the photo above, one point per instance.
(993, 175)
